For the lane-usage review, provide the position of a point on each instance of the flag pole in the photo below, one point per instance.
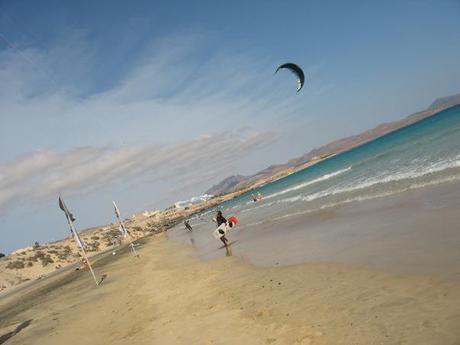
(130, 241)
(84, 253)
(125, 232)
(70, 219)
(134, 249)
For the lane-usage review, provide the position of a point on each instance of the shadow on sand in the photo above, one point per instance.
(18, 329)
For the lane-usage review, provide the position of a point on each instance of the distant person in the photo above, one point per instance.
(220, 219)
(83, 265)
(187, 225)
(257, 197)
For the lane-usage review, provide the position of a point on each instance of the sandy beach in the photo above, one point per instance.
(169, 296)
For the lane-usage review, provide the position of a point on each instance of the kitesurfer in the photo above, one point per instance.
(220, 219)
(256, 197)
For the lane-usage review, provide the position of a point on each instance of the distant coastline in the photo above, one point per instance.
(274, 172)
(36, 261)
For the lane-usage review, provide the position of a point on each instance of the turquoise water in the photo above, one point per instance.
(423, 154)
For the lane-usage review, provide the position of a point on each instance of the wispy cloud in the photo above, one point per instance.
(170, 77)
(62, 131)
(42, 175)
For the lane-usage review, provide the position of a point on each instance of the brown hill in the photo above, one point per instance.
(226, 184)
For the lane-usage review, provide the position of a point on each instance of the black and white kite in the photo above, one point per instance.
(296, 70)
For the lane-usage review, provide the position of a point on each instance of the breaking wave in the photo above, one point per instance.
(391, 182)
(308, 183)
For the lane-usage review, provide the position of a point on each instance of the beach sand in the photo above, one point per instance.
(169, 296)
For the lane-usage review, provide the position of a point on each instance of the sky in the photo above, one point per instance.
(151, 102)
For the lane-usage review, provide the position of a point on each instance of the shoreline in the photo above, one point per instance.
(401, 233)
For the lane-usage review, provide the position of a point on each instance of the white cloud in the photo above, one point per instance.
(42, 175)
(62, 132)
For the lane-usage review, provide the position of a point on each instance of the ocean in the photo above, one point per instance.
(423, 154)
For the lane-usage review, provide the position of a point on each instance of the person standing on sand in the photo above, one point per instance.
(187, 225)
(220, 219)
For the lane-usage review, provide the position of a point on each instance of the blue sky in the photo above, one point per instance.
(151, 102)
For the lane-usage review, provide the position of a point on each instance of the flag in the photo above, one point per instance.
(63, 207)
(71, 219)
(77, 238)
(117, 211)
(73, 231)
(122, 229)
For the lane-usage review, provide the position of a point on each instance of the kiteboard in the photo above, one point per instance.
(221, 231)
(228, 244)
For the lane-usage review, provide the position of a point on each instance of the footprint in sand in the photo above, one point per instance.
(428, 324)
(306, 340)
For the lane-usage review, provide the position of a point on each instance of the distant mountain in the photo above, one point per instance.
(445, 102)
(274, 172)
(226, 184)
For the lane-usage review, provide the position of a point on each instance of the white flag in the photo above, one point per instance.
(117, 211)
(78, 239)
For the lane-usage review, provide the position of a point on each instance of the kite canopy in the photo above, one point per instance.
(296, 70)
(233, 219)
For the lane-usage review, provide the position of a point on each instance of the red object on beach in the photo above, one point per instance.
(233, 219)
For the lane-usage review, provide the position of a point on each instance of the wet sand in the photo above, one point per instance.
(169, 296)
(416, 232)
